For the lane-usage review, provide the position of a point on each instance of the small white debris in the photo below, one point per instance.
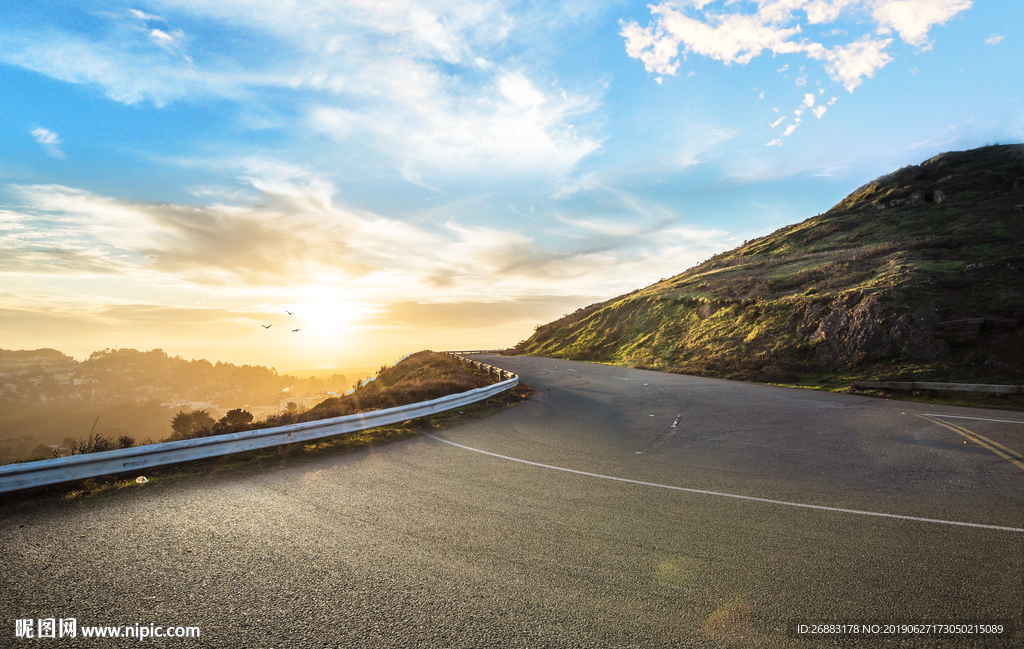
(141, 479)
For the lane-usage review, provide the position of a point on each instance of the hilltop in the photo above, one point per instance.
(918, 275)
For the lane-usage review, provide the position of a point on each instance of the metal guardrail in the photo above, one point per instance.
(952, 387)
(490, 369)
(138, 458)
(474, 351)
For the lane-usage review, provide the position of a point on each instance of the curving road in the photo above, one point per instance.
(615, 508)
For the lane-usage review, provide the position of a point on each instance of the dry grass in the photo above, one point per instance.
(749, 313)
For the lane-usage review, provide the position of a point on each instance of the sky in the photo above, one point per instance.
(407, 174)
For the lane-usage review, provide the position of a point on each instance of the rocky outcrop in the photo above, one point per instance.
(856, 328)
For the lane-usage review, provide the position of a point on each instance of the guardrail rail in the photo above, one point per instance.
(79, 467)
(951, 387)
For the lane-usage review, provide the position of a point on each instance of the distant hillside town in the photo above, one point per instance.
(118, 375)
(47, 396)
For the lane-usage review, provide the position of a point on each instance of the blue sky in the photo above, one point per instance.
(413, 174)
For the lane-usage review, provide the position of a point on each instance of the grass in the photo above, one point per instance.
(752, 313)
(97, 489)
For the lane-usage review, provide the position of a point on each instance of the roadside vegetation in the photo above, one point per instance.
(420, 377)
(44, 394)
(916, 276)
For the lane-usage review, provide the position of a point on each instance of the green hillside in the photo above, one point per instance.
(918, 275)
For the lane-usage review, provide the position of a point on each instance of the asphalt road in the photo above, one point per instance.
(588, 520)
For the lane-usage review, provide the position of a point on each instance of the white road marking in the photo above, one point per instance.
(725, 495)
(619, 378)
(1005, 421)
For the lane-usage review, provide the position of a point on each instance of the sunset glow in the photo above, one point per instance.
(407, 175)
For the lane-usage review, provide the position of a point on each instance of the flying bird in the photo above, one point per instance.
(267, 326)
(288, 312)
(294, 330)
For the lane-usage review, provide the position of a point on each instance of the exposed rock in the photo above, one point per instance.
(866, 328)
(811, 319)
(938, 196)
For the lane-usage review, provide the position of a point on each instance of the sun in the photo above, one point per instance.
(326, 312)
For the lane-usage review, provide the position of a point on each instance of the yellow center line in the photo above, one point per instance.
(1010, 454)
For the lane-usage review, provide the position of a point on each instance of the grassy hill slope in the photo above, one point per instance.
(918, 275)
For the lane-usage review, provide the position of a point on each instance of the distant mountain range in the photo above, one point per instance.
(918, 275)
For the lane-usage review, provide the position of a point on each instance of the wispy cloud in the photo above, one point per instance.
(49, 140)
(511, 127)
(465, 314)
(994, 39)
(414, 82)
(142, 15)
(296, 233)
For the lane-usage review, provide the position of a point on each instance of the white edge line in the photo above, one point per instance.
(725, 495)
(1005, 421)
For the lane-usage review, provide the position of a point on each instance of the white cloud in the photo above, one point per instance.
(142, 15)
(826, 11)
(514, 128)
(49, 140)
(807, 103)
(913, 18)
(159, 35)
(850, 64)
(733, 34)
(656, 51)
(994, 39)
(733, 38)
